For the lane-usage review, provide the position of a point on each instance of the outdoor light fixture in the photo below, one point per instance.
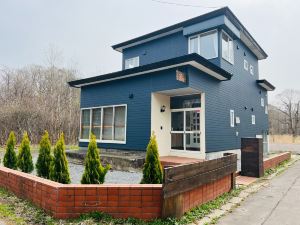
(131, 96)
(163, 108)
(245, 108)
(252, 109)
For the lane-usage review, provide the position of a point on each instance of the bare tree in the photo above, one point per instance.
(289, 105)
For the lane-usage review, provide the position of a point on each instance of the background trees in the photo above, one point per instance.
(38, 98)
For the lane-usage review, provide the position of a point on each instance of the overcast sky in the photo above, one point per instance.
(85, 30)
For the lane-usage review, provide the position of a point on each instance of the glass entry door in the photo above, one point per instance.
(185, 129)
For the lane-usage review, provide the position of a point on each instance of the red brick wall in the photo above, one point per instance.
(206, 193)
(275, 160)
(68, 201)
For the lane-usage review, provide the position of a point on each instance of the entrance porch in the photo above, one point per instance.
(178, 120)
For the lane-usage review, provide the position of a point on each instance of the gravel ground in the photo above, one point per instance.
(112, 176)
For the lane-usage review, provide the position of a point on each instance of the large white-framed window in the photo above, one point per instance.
(227, 48)
(232, 118)
(107, 123)
(205, 44)
(132, 62)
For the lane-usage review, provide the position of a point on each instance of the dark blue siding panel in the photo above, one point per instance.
(167, 47)
(138, 108)
(220, 97)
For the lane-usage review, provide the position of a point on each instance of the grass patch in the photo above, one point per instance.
(278, 169)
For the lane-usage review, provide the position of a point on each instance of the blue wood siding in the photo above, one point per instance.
(157, 50)
(220, 97)
(138, 108)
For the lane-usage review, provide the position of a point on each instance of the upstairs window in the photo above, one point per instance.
(253, 119)
(227, 47)
(251, 70)
(232, 118)
(205, 44)
(246, 65)
(132, 62)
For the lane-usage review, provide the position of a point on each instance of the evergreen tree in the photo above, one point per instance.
(59, 171)
(10, 157)
(25, 163)
(44, 160)
(94, 172)
(152, 171)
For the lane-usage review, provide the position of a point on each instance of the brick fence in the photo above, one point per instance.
(275, 160)
(144, 201)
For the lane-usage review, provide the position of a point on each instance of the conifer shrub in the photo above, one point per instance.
(59, 171)
(94, 172)
(10, 156)
(45, 158)
(25, 163)
(152, 170)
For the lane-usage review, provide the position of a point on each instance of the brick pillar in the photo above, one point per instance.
(252, 157)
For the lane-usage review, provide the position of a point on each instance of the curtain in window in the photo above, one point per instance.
(209, 45)
(119, 123)
(194, 45)
(107, 123)
(85, 124)
(96, 122)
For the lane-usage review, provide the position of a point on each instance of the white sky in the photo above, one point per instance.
(85, 30)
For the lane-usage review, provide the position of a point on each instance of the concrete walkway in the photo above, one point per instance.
(276, 204)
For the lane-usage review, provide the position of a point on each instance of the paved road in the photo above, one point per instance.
(276, 204)
(294, 148)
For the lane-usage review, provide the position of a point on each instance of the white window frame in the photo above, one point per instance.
(228, 60)
(262, 102)
(101, 140)
(253, 119)
(198, 39)
(232, 118)
(246, 65)
(134, 59)
(251, 68)
(266, 109)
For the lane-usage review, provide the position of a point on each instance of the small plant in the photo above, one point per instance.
(25, 163)
(10, 157)
(152, 171)
(44, 160)
(59, 171)
(94, 172)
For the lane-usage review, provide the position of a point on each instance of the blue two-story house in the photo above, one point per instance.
(195, 84)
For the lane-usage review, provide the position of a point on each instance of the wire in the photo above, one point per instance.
(185, 5)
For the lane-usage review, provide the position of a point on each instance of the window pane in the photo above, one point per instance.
(192, 142)
(107, 123)
(177, 121)
(192, 120)
(177, 141)
(194, 45)
(96, 122)
(132, 62)
(119, 131)
(225, 46)
(209, 45)
(85, 124)
(230, 46)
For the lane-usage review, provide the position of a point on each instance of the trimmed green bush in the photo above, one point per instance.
(59, 171)
(25, 163)
(10, 157)
(152, 171)
(94, 172)
(44, 160)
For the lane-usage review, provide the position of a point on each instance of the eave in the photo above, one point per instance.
(265, 85)
(194, 60)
